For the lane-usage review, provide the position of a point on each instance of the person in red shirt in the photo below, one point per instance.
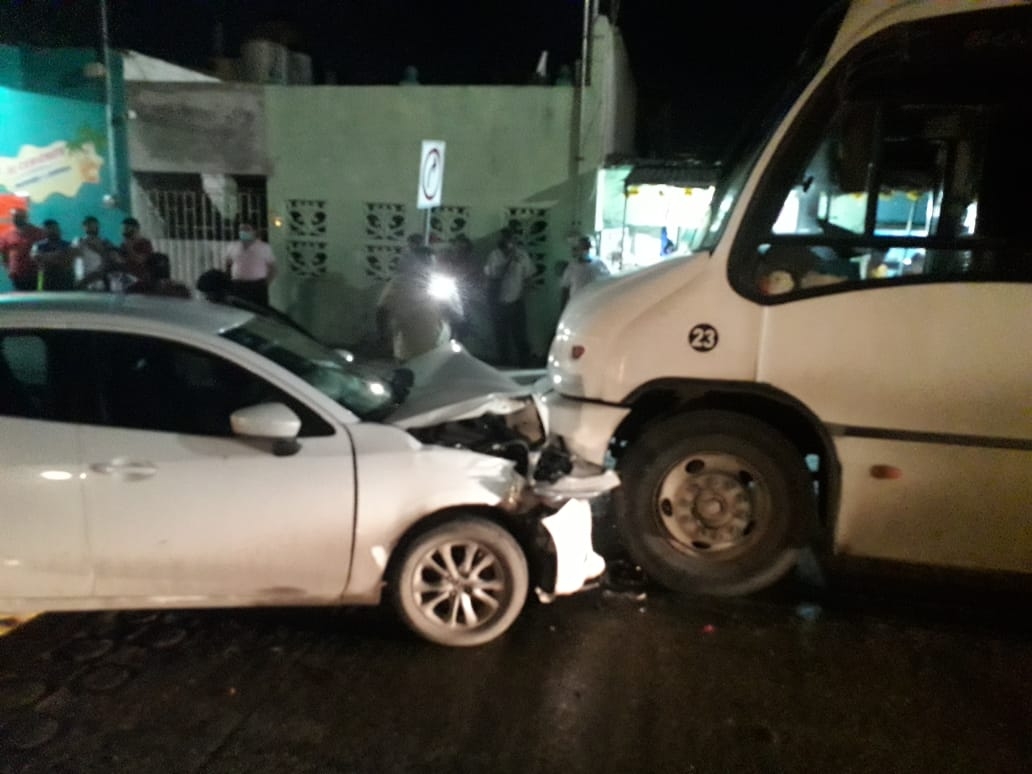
(16, 250)
(135, 249)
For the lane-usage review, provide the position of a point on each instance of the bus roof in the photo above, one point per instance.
(868, 17)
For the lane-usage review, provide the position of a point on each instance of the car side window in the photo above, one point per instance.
(915, 176)
(35, 378)
(154, 384)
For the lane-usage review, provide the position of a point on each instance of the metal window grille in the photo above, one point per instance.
(188, 227)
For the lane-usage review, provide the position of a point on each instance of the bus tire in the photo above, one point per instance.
(714, 502)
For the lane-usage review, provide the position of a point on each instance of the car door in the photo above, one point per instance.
(897, 280)
(44, 554)
(179, 509)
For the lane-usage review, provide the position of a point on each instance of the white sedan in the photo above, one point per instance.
(160, 452)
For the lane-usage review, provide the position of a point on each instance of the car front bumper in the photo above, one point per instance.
(563, 557)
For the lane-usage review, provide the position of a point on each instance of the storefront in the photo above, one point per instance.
(650, 210)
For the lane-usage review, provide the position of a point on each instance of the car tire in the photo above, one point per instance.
(714, 502)
(462, 583)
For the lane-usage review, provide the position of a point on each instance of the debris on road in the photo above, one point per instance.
(808, 611)
(625, 577)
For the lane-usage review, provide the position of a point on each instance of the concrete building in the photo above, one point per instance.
(330, 172)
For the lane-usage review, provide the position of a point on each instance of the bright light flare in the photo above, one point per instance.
(442, 287)
(55, 475)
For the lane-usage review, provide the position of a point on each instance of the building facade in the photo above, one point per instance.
(330, 173)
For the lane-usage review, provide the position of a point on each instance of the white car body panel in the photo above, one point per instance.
(43, 545)
(400, 480)
(218, 516)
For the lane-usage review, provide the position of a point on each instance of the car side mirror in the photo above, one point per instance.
(274, 421)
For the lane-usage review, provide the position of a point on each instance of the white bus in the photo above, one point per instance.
(847, 353)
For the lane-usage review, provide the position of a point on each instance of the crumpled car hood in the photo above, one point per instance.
(449, 385)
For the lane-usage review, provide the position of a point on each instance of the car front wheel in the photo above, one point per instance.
(462, 583)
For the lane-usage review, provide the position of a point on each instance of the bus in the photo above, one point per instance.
(845, 357)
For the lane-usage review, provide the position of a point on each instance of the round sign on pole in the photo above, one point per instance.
(431, 174)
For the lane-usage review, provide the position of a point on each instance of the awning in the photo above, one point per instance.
(682, 174)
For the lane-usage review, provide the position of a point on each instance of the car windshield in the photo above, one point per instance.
(358, 389)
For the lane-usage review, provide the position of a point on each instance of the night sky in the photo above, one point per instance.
(701, 65)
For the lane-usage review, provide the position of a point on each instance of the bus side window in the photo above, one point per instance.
(902, 201)
(905, 165)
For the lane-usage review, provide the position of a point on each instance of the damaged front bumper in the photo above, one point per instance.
(565, 557)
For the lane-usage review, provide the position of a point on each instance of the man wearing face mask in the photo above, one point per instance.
(251, 266)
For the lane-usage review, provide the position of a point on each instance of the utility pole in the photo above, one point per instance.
(111, 199)
(583, 81)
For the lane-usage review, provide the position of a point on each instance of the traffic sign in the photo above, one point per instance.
(431, 175)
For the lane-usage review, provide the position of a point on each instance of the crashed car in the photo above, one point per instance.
(169, 453)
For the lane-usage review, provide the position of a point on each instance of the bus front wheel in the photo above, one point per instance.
(714, 503)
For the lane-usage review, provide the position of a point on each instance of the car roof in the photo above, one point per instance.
(197, 315)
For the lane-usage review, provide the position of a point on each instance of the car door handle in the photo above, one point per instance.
(131, 469)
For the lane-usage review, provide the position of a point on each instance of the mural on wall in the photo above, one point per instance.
(306, 237)
(62, 167)
(385, 235)
(530, 227)
(54, 150)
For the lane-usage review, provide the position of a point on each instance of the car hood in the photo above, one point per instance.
(449, 385)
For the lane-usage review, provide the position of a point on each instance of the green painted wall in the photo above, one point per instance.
(336, 150)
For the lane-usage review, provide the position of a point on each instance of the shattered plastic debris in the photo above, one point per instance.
(808, 570)
(543, 596)
(625, 579)
(636, 596)
(808, 611)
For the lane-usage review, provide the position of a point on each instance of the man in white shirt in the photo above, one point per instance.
(582, 270)
(98, 264)
(509, 270)
(251, 266)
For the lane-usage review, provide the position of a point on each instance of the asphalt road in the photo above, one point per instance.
(603, 682)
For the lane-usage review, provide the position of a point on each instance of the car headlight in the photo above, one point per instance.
(442, 287)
